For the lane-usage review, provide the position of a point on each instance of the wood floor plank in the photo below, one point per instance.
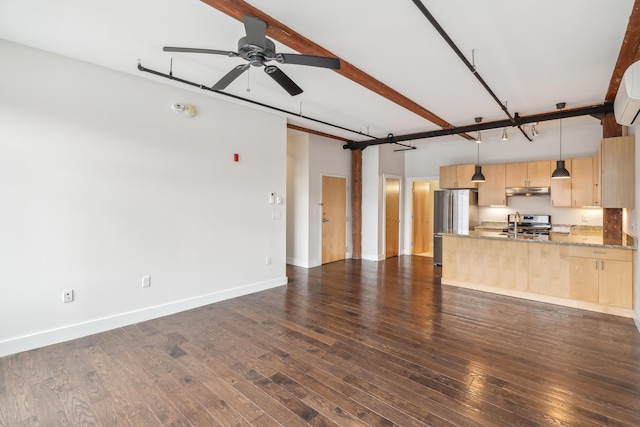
(351, 343)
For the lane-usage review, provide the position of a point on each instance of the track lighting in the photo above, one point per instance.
(505, 137)
(534, 131)
(479, 137)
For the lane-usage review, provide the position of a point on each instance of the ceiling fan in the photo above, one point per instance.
(256, 48)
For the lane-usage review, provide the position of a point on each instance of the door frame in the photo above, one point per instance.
(383, 204)
(348, 215)
(408, 230)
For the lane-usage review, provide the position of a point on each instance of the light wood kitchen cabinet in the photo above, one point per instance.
(465, 260)
(561, 188)
(457, 176)
(492, 191)
(529, 174)
(596, 180)
(601, 275)
(582, 184)
(617, 172)
(549, 270)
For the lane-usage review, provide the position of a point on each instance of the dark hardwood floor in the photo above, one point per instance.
(347, 344)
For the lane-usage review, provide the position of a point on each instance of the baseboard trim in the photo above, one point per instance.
(616, 311)
(94, 326)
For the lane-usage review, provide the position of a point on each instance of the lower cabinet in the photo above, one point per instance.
(549, 270)
(602, 276)
(595, 275)
(465, 260)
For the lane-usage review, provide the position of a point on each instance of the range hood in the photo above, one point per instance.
(527, 191)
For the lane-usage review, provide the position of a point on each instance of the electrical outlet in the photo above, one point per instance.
(67, 296)
(146, 281)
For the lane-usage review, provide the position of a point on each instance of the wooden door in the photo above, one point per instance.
(392, 210)
(421, 236)
(334, 219)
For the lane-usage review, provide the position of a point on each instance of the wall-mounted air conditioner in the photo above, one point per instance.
(626, 107)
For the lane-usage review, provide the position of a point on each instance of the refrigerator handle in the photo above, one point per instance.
(450, 224)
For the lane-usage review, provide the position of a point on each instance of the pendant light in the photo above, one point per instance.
(504, 135)
(478, 176)
(561, 172)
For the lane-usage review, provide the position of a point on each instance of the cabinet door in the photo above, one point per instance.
(549, 269)
(464, 174)
(539, 173)
(581, 182)
(617, 156)
(583, 279)
(448, 176)
(516, 174)
(492, 191)
(615, 283)
(561, 188)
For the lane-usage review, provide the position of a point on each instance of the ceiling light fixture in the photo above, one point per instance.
(561, 172)
(534, 131)
(478, 176)
(505, 137)
(479, 135)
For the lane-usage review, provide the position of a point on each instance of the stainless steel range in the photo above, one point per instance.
(520, 224)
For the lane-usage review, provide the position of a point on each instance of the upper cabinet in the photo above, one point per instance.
(582, 183)
(492, 191)
(617, 172)
(528, 174)
(457, 176)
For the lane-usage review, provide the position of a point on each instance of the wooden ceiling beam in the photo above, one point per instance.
(280, 32)
(629, 52)
(315, 132)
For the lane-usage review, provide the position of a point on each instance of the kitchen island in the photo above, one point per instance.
(576, 271)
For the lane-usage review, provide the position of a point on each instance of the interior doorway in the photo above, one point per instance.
(392, 215)
(334, 219)
(422, 217)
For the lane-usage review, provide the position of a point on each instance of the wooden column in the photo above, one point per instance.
(611, 217)
(356, 203)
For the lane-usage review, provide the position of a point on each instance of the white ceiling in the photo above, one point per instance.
(533, 54)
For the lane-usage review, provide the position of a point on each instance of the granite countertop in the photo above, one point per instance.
(581, 237)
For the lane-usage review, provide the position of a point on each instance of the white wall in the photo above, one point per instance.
(101, 184)
(632, 220)
(298, 218)
(371, 210)
(310, 157)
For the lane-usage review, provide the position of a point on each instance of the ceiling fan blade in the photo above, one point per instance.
(283, 80)
(196, 50)
(312, 60)
(256, 30)
(230, 76)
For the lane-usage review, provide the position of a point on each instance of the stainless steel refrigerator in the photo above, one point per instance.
(454, 211)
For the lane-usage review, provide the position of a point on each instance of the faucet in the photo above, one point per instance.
(517, 218)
